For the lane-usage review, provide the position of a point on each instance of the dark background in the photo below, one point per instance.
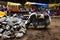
(39, 1)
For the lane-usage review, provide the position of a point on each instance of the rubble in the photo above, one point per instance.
(10, 25)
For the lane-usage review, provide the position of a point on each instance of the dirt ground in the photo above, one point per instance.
(52, 33)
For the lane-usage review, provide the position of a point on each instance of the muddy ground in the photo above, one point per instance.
(52, 33)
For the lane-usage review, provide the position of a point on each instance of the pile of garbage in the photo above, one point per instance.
(12, 27)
